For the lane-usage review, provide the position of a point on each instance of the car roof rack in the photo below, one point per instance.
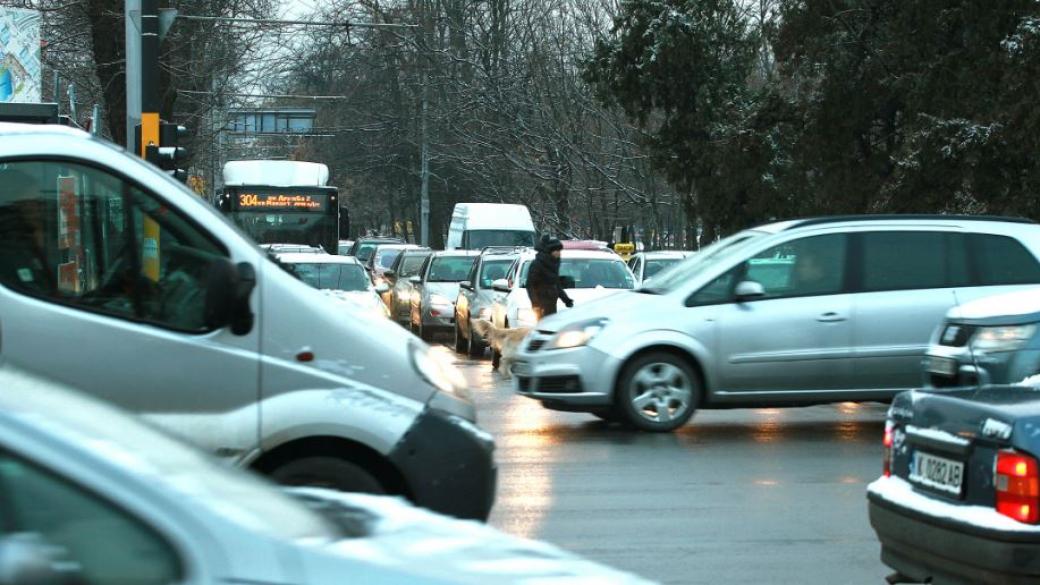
(902, 216)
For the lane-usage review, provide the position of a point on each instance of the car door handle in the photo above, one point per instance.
(830, 317)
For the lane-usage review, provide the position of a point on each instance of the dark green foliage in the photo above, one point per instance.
(870, 106)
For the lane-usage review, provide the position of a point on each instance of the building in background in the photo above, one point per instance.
(21, 71)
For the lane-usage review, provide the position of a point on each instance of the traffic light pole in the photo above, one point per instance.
(149, 75)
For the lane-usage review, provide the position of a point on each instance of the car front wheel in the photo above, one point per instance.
(658, 392)
(327, 472)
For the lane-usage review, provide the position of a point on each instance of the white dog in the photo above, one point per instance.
(505, 341)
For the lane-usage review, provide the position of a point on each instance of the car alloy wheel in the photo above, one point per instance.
(659, 392)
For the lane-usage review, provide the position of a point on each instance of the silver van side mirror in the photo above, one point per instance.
(749, 290)
(228, 289)
(501, 285)
(415, 279)
(382, 288)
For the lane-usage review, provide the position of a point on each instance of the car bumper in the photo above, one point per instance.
(577, 379)
(923, 547)
(956, 366)
(448, 465)
(445, 318)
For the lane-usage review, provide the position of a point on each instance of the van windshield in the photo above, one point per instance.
(478, 239)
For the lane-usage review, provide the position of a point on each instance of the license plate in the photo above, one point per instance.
(941, 365)
(521, 369)
(937, 473)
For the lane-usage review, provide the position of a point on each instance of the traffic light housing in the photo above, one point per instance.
(167, 155)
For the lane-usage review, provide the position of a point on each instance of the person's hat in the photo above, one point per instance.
(552, 244)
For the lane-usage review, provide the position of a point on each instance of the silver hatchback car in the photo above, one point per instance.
(790, 313)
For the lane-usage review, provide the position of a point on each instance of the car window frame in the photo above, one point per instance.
(188, 560)
(126, 181)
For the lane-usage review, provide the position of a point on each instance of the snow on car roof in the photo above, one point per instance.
(305, 258)
(10, 128)
(1023, 302)
(665, 254)
(578, 254)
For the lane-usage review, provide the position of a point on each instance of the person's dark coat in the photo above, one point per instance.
(543, 279)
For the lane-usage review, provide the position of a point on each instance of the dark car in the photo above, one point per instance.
(959, 499)
(363, 248)
(993, 340)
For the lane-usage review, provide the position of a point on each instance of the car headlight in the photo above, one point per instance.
(1004, 338)
(439, 372)
(577, 334)
(526, 316)
(436, 299)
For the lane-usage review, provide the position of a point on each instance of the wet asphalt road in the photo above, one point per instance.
(757, 496)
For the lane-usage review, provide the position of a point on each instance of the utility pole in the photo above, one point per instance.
(424, 174)
(131, 12)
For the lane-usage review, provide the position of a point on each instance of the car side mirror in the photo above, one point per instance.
(389, 274)
(501, 285)
(415, 279)
(382, 287)
(466, 285)
(749, 290)
(567, 282)
(228, 289)
(27, 559)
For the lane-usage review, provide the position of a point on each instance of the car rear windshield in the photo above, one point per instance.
(657, 265)
(385, 257)
(590, 273)
(349, 277)
(410, 265)
(493, 270)
(365, 252)
(450, 268)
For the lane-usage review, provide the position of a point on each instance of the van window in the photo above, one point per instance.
(103, 543)
(905, 260)
(1002, 260)
(78, 236)
(806, 267)
(479, 239)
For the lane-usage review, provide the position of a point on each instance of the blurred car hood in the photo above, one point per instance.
(391, 532)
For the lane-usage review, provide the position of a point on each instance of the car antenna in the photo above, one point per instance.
(971, 350)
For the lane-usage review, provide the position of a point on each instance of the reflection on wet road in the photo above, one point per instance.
(737, 496)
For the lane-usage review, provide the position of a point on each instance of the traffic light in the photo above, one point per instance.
(171, 155)
(167, 155)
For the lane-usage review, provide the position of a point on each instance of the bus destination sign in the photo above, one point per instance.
(282, 201)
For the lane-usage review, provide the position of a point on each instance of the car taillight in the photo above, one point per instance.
(1017, 483)
(887, 442)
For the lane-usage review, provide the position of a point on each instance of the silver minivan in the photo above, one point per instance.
(790, 313)
(116, 279)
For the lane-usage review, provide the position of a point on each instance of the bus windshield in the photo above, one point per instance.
(291, 215)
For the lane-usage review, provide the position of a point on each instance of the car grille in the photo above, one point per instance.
(559, 384)
(956, 335)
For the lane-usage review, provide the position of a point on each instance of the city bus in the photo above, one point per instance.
(282, 202)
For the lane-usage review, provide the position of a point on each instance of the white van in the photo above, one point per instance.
(118, 280)
(475, 226)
